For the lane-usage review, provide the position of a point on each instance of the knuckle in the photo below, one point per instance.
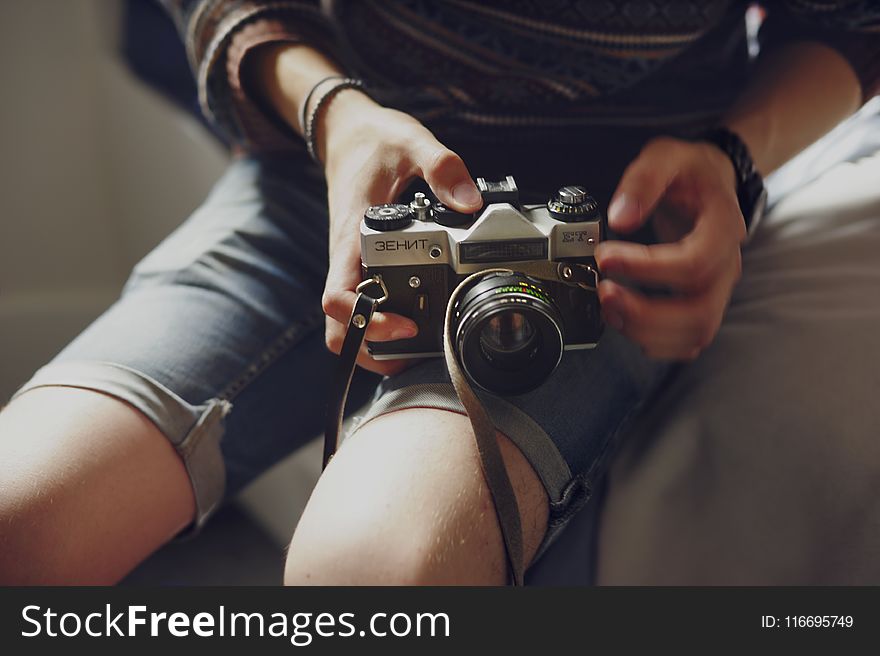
(328, 301)
(662, 146)
(644, 254)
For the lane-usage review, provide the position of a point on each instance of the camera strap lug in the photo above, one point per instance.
(582, 275)
(569, 273)
(369, 282)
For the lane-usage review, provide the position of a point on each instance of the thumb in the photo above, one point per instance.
(643, 184)
(447, 175)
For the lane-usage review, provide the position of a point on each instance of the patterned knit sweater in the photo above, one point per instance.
(554, 71)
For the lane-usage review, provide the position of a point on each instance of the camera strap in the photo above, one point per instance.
(485, 433)
(361, 315)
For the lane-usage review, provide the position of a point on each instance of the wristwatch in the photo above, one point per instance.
(750, 190)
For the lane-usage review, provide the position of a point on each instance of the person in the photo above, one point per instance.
(219, 332)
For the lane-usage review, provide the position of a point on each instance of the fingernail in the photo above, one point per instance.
(623, 211)
(404, 333)
(466, 194)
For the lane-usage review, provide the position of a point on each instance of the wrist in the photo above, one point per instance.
(722, 162)
(342, 116)
(747, 181)
(756, 130)
(282, 74)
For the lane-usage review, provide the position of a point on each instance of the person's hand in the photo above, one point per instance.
(371, 154)
(688, 190)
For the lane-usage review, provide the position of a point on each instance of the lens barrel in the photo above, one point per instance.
(508, 333)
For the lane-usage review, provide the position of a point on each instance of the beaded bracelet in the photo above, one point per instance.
(303, 109)
(323, 102)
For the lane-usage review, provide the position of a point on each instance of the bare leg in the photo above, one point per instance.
(404, 502)
(88, 488)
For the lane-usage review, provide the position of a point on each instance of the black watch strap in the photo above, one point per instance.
(750, 191)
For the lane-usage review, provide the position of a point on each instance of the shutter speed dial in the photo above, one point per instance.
(573, 203)
(391, 216)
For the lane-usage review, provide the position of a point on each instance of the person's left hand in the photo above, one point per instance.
(688, 190)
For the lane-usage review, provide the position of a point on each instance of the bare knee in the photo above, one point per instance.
(405, 503)
(88, 488)
(359, 557)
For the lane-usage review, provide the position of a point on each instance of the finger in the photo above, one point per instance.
(681, 266)
(334, 337)
(643, 184)
(668, 328)
(382, 367)
(447, 175)
(339, 296)
(678, 333)
(384, 326)
(345, 259)
(691, 264)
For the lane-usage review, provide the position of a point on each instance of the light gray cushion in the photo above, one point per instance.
(760, 463)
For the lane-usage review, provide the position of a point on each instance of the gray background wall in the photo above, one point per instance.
(94, 170)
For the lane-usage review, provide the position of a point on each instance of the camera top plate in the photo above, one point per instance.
(503, 227)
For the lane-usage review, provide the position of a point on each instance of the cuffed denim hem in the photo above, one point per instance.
(567, 493)
(194, 430)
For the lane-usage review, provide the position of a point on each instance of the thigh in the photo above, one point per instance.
(217, 342)
(227, 312)
(566, 429)
(404, 501)
(88, 488)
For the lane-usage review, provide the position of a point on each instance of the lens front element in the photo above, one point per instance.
(509, 340)
(508, 335)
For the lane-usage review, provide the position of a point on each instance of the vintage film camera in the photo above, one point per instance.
(510, 327)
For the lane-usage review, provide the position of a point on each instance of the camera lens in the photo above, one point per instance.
(508, 335)
(509, 340)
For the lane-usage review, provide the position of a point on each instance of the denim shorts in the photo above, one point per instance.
(218, 338)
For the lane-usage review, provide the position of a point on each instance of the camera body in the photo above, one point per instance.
(422, 251)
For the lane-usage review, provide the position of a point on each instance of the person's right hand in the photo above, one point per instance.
(371, 154)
